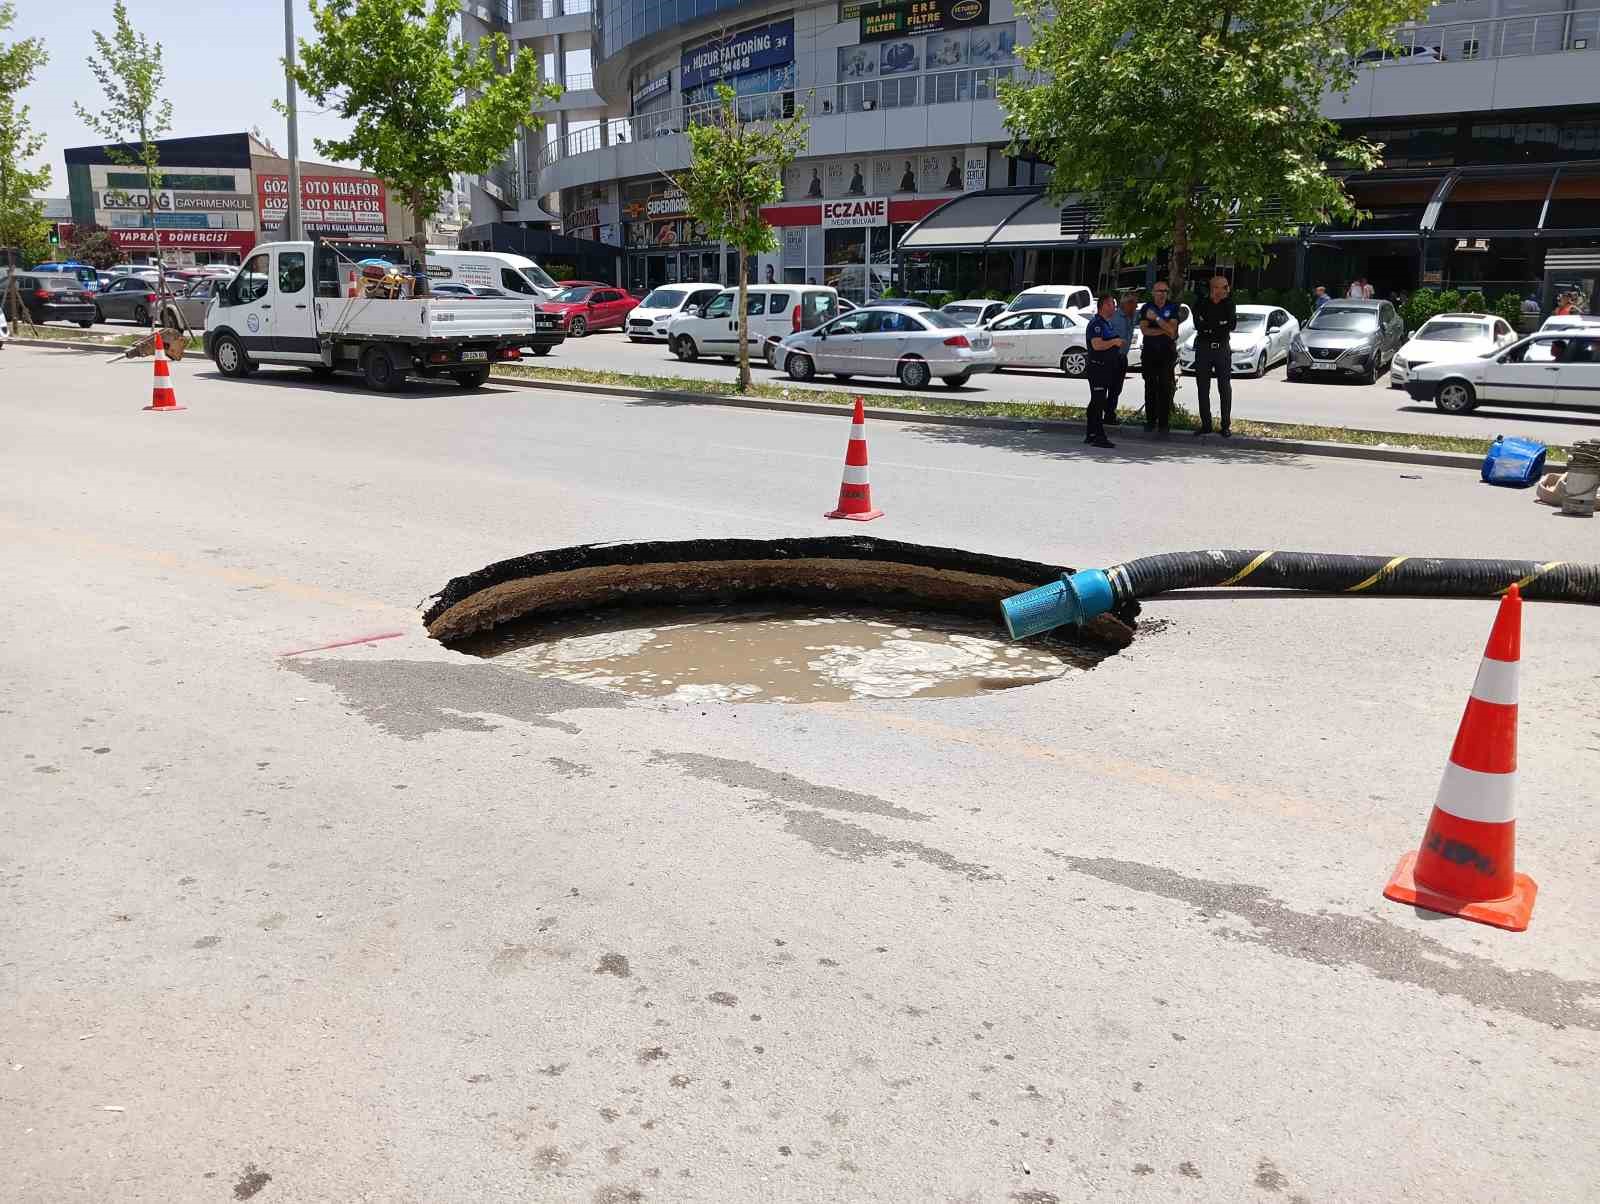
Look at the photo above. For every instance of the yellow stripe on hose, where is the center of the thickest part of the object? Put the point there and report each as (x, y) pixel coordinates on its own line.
(1378, 576)
(1246, 571)
(1535, 575)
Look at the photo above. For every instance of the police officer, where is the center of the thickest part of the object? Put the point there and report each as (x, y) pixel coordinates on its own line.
(1124, 323)
(1105, 369)
(1214, 320)
(1158, 323)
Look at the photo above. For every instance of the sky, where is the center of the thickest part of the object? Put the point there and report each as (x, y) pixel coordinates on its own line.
(223, 70)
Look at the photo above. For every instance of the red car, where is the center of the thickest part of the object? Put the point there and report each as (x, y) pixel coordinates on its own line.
(585, 305)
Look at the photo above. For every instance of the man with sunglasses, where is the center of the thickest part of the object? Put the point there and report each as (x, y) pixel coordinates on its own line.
(1158, 323)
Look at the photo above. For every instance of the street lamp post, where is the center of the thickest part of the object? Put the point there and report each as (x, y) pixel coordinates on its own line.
(294, 232)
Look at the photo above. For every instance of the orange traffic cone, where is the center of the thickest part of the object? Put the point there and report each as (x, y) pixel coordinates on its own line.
(161, 396)
(1467, 863)
(855, 491)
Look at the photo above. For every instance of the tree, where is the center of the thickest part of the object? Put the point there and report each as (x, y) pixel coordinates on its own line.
(1194, 126)
(736, 167)
(131, 74)
(93, 246)
(23, 229)
(424, 104)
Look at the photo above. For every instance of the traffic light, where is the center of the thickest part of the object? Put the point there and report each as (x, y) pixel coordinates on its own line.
(55, 237)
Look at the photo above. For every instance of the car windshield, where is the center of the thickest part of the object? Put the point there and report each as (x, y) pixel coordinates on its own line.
(537, 276)
(938, 320)
(1330, 318)
(1040, 301)
(1251, 322)
(1453, 332)
(580, 293)
(664, 298)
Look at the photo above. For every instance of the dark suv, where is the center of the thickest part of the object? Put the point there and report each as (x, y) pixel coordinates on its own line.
(1347, 338)
(47, 298)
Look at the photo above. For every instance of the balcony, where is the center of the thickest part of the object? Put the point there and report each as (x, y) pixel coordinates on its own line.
(1471, 66)
(541, 18)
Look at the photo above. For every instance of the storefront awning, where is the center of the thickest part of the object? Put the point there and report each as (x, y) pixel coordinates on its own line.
(973, 221)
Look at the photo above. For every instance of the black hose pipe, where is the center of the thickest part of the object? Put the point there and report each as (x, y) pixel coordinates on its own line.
(1090, 592)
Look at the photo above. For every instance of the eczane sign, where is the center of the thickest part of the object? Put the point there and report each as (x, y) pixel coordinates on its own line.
(854, 214)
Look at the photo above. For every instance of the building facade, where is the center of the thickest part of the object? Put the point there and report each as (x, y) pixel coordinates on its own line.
(1490, 131)
(220, 195)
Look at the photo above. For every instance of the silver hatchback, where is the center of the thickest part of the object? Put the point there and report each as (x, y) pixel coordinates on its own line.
(914, 345)
(1347, 338)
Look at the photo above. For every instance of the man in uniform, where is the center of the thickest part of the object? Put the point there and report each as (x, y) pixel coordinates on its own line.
(1123, 323)
(1158, 323)
(1105, 369)
(1215, 317)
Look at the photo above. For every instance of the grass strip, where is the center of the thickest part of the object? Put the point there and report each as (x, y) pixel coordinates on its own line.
(1182, 420)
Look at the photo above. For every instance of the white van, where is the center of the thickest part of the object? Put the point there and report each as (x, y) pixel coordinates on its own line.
(775, 311)
(493, 269)
(649, 319)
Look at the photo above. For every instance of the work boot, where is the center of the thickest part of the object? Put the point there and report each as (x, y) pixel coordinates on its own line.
(1101, 441)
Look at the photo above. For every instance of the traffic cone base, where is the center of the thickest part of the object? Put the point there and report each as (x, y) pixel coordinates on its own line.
(1511, 913)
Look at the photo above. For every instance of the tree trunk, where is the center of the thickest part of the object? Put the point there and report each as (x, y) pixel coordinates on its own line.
(1178, 261)
(419, 240)
(744, 325)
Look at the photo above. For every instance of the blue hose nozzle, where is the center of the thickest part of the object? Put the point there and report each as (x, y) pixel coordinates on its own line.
(1073, 599)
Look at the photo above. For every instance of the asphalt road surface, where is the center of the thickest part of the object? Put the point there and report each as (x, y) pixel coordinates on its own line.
(1270, 398)
(388, 923)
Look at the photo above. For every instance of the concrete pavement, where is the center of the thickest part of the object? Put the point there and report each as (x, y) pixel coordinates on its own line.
(391, 923)
(1268, 399)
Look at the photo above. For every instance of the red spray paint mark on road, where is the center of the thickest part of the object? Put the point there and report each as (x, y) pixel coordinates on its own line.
(360, 639)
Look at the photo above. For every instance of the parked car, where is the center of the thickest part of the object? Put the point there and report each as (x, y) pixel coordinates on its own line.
(585, 307)
(88, 279)
(1569, 322)
(1556, 370)
(651, 317)
(449, 288)
(913, 344)
(129, 299)
(479, 290)
(1450, 337)
(974, 313)
(900, 302)
(1347, 338)
(135, 269)
(47, 298)
(1041, 338)
(1077, 298)
(1260, 339)
(773, 310)
(186, 309)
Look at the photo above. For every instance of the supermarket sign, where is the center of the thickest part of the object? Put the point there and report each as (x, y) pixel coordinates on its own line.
(328, 204)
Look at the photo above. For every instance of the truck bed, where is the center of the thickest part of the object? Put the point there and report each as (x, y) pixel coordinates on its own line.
(423, 319)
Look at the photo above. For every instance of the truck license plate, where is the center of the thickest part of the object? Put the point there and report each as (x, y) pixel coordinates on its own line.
(468, 357)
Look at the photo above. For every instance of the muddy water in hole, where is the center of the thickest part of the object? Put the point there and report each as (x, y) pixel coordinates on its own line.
(775, 654)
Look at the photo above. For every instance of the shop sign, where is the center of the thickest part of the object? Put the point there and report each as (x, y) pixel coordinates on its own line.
(583, 217)
(349, 204)
(236, 240)
(738, 53)
(856, 214)
(794, 246)
(921, 16)
(976, 177)
(672, 204)
(650, 89)
(119, 198)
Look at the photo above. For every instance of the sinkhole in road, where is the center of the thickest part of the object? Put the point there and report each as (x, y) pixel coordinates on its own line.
(782, 620)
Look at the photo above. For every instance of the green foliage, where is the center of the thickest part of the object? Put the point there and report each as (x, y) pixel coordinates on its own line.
(22, 223)
(736, 167)
(1194, 127)
(93, 246)
(1509, 307)
(560, 271)
(1422, 305)
(1299, 302)
(423, 104)
(1472, 303)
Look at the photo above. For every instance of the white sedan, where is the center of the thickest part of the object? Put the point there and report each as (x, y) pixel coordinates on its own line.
(1553, 370)
(1041, 338)
(1450, 337)
(1260, 338)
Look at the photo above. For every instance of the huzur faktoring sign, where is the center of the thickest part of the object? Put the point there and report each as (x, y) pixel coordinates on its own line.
(739, 53)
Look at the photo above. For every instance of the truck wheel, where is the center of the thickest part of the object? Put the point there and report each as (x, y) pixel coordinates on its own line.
(475, 379)
(228, 354)
(382, 374)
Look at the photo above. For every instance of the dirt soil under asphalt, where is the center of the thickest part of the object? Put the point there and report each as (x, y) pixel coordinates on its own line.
(389, 922)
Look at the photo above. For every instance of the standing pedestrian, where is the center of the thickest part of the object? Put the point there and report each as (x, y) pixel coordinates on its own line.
(1319, 298)
(1357, 290)
(1105, 369)
(1124, 322)
(1215, 317)
(1367, 291)
(1158, 326)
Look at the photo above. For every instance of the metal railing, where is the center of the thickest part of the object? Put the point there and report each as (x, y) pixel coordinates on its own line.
(579, 81)
(544, 10)
(1498, 37)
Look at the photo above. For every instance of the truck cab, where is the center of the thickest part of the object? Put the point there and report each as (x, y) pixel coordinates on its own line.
(291, 303)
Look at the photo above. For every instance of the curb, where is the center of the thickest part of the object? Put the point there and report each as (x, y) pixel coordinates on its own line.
(63, 345)
(1296, 447)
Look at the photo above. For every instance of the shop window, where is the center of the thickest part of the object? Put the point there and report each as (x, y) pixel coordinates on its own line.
(1575, 203)
(844, 246)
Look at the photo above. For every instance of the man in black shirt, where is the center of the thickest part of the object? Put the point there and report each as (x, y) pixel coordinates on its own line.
(1214, 320)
